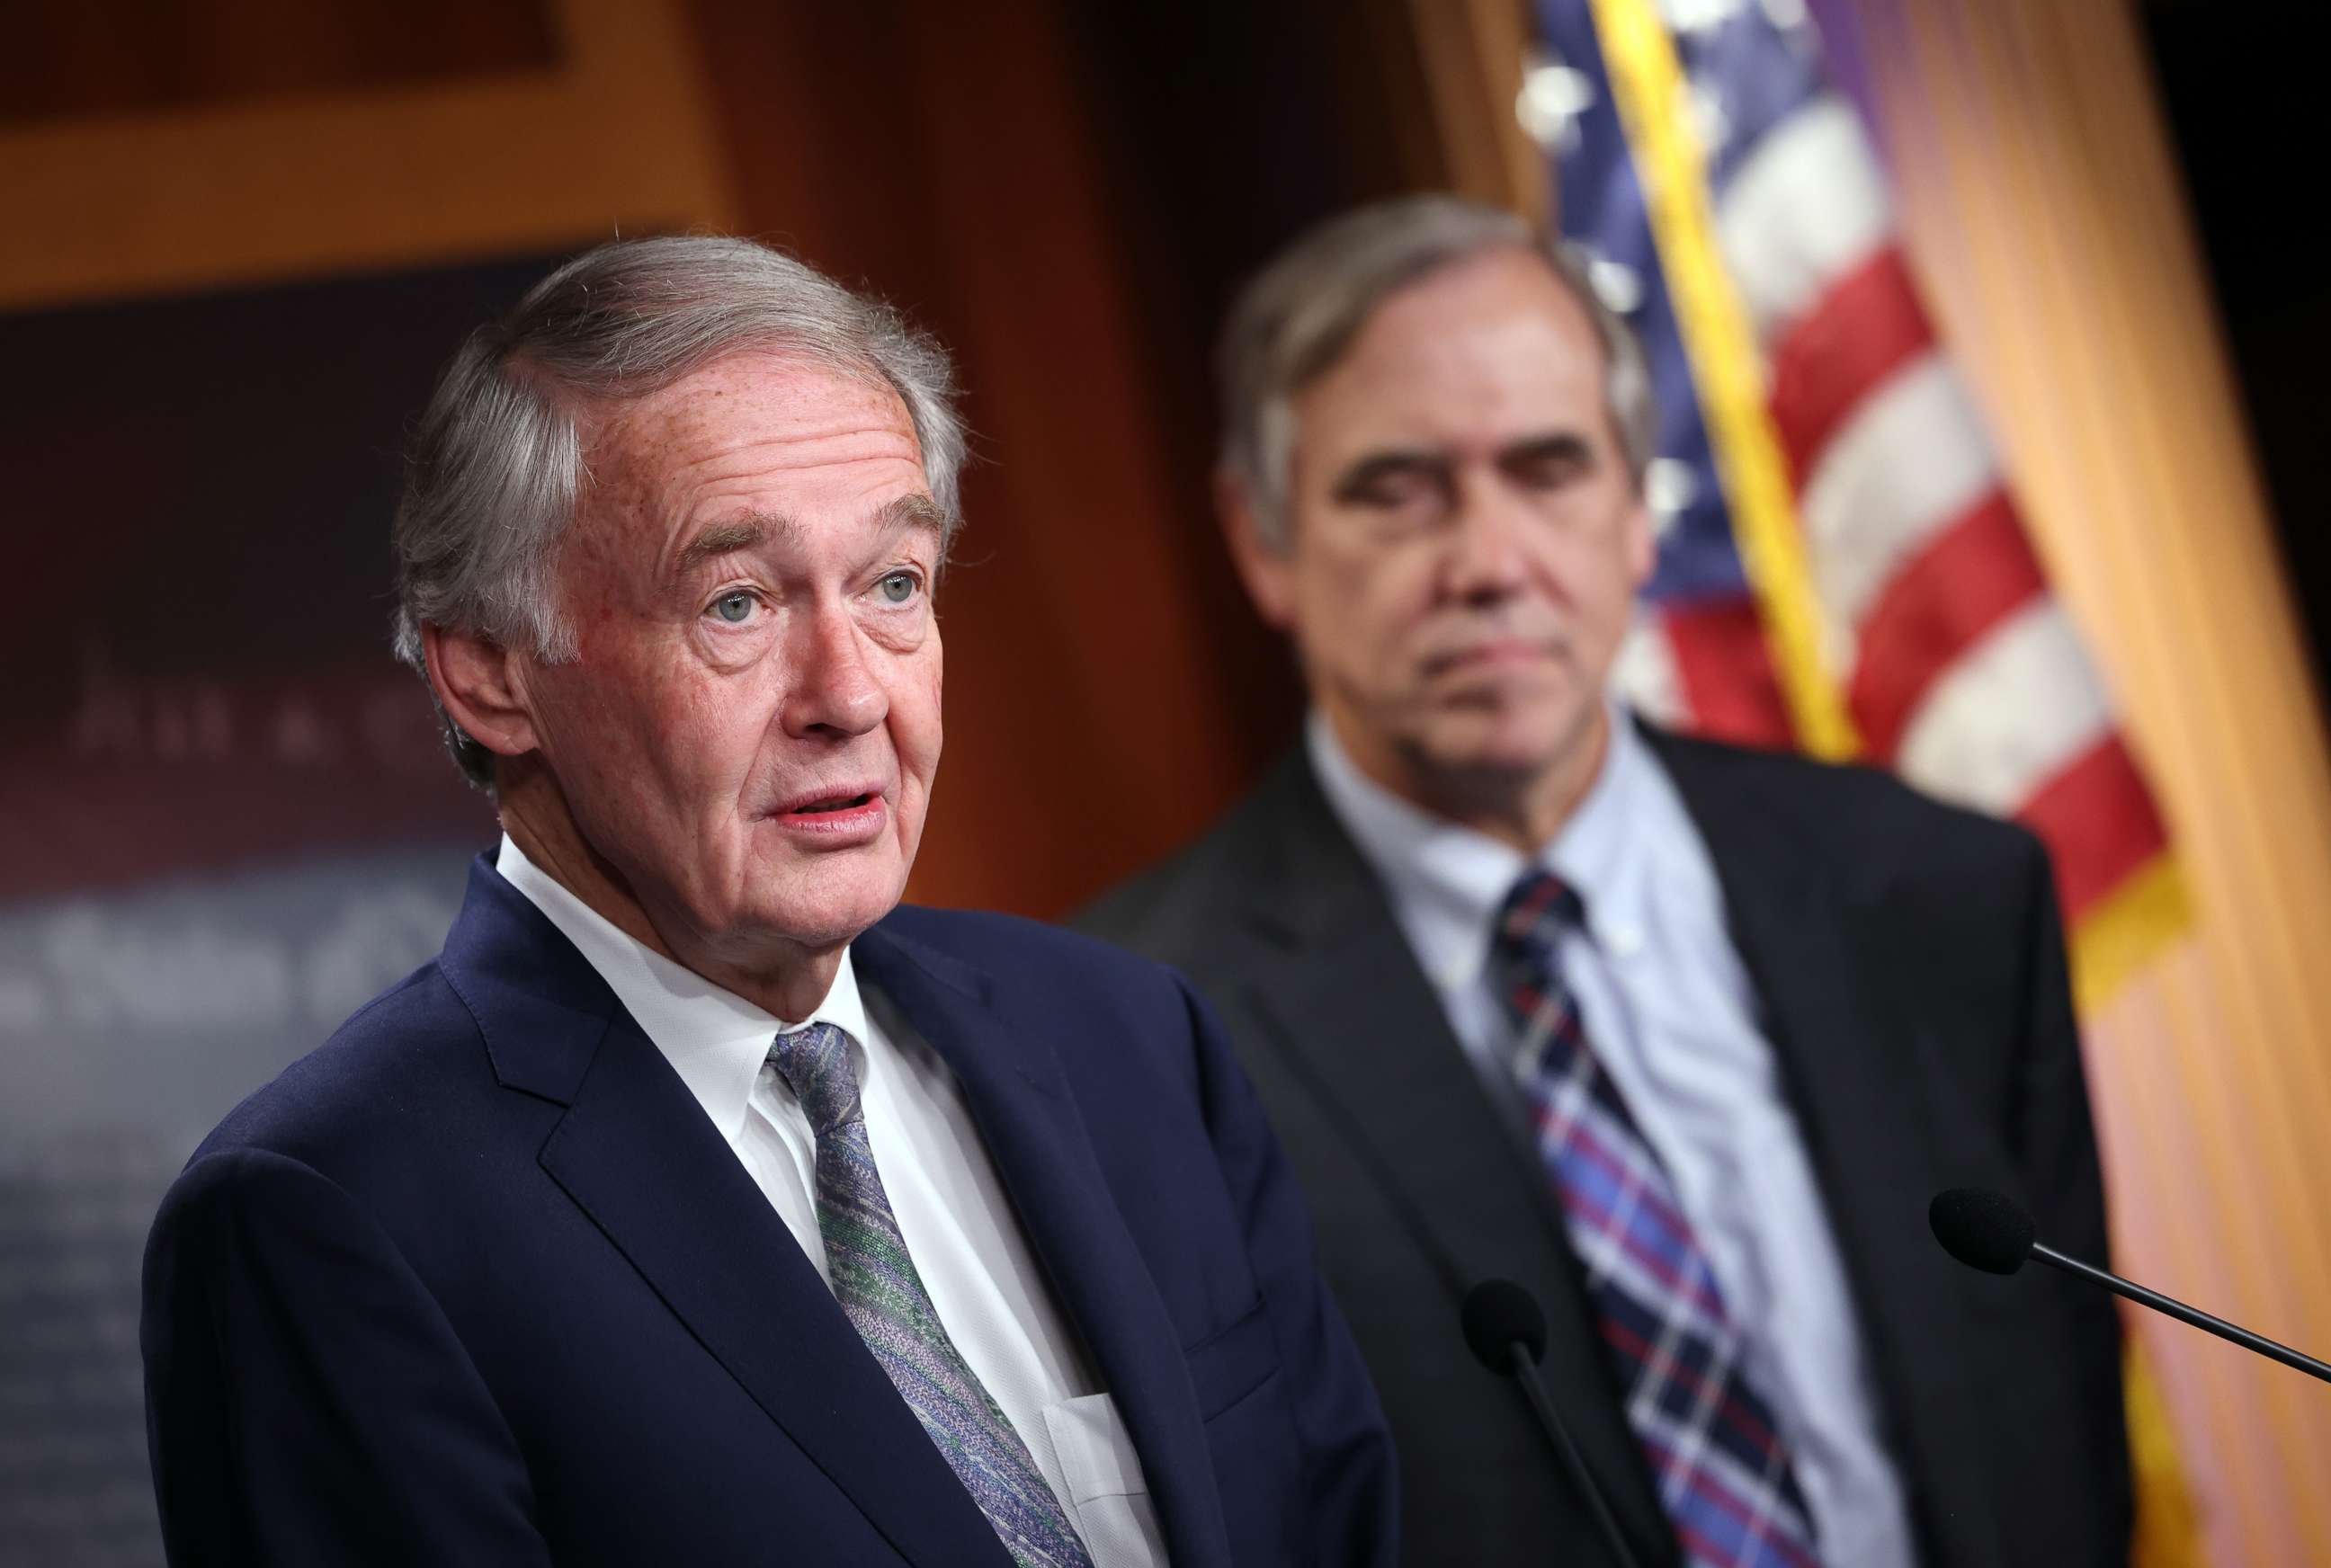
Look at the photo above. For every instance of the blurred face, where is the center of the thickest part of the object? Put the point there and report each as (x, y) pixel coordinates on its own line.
(749, 735)
(1467, 541)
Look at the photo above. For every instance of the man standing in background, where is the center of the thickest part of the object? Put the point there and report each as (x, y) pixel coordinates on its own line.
(1680, 1036)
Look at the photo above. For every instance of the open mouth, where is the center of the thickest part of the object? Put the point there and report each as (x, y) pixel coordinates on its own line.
(830, 805)
(838, 819)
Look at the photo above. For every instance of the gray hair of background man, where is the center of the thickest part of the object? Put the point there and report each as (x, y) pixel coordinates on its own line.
(1295, 319)
(495, 470)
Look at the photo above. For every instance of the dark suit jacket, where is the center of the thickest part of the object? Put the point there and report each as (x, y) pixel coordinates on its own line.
(1911, 967)
(478, 1283)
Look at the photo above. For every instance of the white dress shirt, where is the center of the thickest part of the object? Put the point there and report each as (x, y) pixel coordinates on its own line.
(959, 1225)
(1673, 1018)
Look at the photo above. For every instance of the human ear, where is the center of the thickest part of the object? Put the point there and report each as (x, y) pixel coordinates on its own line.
(481, 687)
(1266, 571)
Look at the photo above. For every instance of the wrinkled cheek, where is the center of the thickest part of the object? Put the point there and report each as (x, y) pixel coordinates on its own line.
(929, 724)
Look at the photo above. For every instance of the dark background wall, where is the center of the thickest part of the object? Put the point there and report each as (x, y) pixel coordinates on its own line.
(2243, 98)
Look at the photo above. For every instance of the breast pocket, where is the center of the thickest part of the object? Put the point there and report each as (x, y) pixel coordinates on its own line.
(1108, 1496)
(1234, 1363)
(1251, 1433)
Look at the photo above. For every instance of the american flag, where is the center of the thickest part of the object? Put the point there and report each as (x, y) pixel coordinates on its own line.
(1841, 565)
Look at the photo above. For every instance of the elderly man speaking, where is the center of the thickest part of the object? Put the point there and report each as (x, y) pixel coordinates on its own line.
(699, 1204)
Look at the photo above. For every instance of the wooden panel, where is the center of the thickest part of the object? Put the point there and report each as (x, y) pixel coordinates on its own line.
(2044, 212)
(67, 58)
(163, 203)
(1472, 52)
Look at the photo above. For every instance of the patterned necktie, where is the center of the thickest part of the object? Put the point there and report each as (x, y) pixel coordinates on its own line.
(1721, 1468)
(883, 1297)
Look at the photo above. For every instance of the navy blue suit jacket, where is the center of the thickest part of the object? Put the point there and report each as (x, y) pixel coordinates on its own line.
(478, 1283)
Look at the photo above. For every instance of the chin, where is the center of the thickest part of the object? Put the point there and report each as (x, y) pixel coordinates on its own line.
(1504, 742)
(835, 908)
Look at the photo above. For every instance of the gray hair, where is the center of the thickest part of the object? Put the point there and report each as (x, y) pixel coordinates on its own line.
(495, 469)
(1294, 320)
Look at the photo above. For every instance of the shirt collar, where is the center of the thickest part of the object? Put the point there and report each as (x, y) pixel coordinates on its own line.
(715, 1040)
(1448, 882)
(1591, 851)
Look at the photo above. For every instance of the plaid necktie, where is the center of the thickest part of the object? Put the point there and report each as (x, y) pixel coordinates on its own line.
(1721, 1466)
(883, 1297)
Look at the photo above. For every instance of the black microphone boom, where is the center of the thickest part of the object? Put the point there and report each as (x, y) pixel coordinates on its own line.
(1505, 1327)
(1989, 1231)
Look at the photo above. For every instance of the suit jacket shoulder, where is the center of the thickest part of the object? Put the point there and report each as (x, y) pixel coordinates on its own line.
(1919, 882)
(1279, 857)
(1035, 970)
(371, 1108)
(1860, 825)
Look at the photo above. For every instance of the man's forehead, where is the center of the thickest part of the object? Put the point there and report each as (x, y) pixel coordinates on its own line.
(1498, 340)
(760, 408)
(1510, 314)
(776, 385)
(762, 446)
(1507, 281)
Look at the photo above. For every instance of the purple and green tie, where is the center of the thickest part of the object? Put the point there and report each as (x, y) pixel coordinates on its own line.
(1716, 1455)
(883, 1297)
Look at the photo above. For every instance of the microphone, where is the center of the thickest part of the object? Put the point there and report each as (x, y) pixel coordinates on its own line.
(1990, 1231)
(1505, 1327)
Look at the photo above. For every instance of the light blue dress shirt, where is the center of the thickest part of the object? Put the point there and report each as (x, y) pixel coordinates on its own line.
(1674, 1020)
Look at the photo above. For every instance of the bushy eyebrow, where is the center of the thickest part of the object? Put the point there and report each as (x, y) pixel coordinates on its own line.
(1376, 466)
(749, 532)
(913, 511)
(1437, 465)
(1556, 446)
(756, 531)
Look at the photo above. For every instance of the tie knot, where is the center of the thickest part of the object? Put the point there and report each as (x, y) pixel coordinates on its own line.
(816, 1062)
(1540, 907)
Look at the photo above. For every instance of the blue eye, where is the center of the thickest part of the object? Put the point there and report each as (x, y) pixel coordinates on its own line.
(898, 587)
(732, 608)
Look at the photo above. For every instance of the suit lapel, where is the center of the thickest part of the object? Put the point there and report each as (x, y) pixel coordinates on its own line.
(635, 1153)
(1853, 1069)
(1345, 1000)
(1021, 1100)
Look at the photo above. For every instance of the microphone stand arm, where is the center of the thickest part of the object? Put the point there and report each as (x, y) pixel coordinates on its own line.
(2182, 1313)
(1572, 1461)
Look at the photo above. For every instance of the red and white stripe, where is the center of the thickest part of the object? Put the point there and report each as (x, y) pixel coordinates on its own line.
(1961, 672)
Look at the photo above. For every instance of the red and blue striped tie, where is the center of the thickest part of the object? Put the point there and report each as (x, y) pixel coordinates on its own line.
(1716, 1458)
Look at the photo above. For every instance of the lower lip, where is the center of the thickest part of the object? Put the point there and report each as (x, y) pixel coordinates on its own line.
(852, 825)
(1495, 655)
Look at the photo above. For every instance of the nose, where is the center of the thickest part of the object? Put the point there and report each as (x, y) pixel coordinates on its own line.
(1487, 560)
(831, 689)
